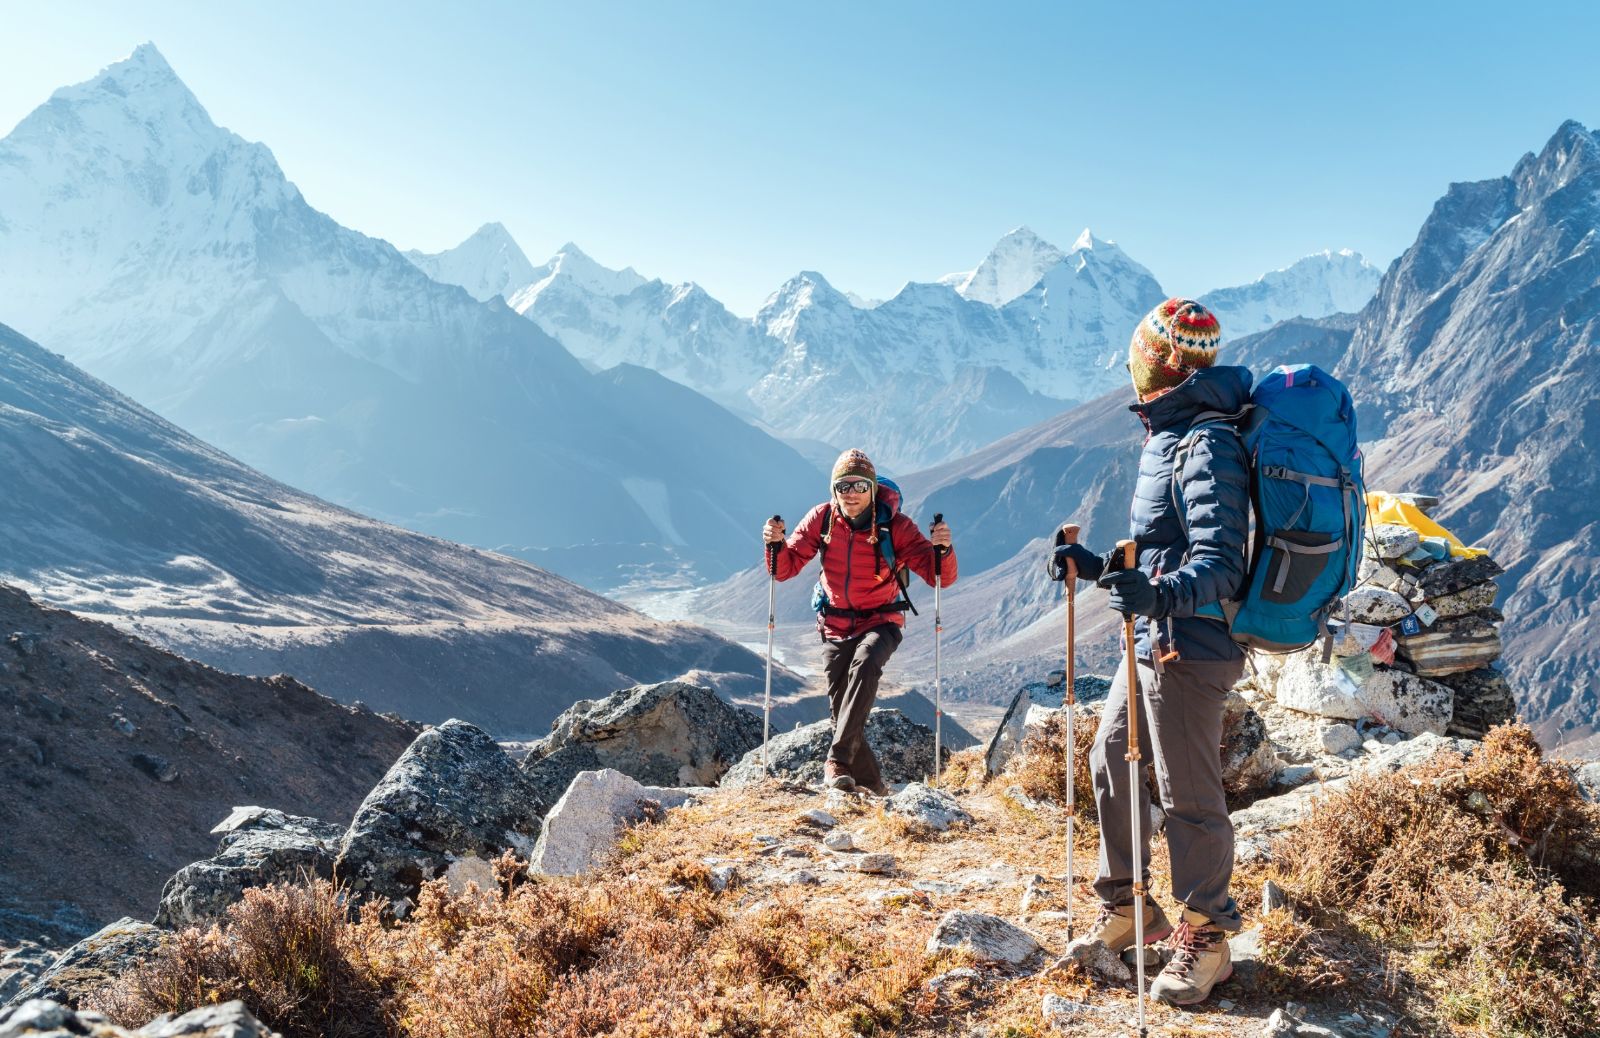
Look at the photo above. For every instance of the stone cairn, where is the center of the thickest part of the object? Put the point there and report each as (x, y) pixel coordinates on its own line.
(1414, 644)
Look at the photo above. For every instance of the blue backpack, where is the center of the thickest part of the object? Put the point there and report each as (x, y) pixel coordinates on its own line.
(1310, 503)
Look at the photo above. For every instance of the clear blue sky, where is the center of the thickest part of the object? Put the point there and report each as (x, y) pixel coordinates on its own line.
(737, 143)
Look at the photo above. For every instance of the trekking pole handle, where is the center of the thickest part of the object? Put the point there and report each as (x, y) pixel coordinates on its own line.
(1130, 560)
(939, 550)
(1069, 535)
(772, 549)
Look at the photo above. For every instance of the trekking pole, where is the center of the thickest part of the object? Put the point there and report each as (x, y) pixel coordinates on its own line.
(938, 677)
(1069, 535)
(772, 614)
(1130, 560)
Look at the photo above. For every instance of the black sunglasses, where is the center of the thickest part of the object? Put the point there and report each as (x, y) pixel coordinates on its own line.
(852, 486)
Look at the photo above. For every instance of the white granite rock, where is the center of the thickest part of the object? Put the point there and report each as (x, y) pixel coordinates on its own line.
(1376, 605)
(1402, 701)
(1340, 738)
(1391, 540)
(988, 937)
(932, 807)
(582, 827)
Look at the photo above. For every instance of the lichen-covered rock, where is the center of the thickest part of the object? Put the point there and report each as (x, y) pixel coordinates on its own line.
(228, 1020)
(903, 747)
(1249, 763)
(1452, 575)
(1391, 540)
(1095, 960)
(42, 1018)
(1376, 605)
(667, 734)
(1483, 700)
(1467, 601)
(94, 962)
(1451, 646)
(1030, 705)
(1405, 702)
(1381, 574)
(987, 937)
(453, 793)
(582, 827)
(934, 808)
(259, 846)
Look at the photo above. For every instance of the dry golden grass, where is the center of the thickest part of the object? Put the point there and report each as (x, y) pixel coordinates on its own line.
(1478, 867)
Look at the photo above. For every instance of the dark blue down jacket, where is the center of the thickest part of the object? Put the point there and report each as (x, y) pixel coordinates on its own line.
(1208, 564)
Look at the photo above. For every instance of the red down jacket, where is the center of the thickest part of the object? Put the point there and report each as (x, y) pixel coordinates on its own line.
(853, 571)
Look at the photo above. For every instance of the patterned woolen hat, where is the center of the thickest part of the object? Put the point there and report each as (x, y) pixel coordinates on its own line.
(1174, 340)
(854, 463)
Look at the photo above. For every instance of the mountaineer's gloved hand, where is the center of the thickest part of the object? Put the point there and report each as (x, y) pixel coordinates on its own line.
(1131, 592)
(1089, 565)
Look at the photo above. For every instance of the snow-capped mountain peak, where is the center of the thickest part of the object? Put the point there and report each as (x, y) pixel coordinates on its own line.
(488, 264)
(1015, 264)
(1322, 283)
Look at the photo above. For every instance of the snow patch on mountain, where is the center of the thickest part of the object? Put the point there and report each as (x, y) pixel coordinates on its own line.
(1323, 283)
(488, 264)
(1013, 266)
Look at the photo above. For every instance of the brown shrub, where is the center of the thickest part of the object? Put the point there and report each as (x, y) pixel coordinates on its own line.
(1040, 763)
(288, 951)
(1478, 855)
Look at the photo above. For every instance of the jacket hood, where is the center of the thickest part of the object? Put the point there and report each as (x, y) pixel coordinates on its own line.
(1224, 388)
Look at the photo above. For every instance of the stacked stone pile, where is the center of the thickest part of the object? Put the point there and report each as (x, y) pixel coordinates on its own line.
(1415, 644)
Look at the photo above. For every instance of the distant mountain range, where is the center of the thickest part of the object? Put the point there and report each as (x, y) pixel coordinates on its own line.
(174, 260)
(936, 371)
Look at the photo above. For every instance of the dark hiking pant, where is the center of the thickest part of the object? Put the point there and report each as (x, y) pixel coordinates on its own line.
(854, 667)
(1180, 733)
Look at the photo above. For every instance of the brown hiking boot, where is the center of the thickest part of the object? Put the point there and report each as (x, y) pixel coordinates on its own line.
(1200, 961)
(1114, 926)
(835, 777)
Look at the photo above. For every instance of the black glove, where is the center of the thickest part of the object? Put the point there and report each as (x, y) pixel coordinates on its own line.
(1131, 592)
(1090, 565)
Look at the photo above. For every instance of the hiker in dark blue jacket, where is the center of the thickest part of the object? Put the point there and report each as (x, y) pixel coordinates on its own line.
(1190, 529)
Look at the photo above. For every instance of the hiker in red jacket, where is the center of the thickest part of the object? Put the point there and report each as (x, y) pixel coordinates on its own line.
(861, 601)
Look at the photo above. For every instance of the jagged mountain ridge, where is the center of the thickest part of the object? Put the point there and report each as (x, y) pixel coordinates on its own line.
(116, 513)
(1323, 283)
(947, 367)
(488, 264)
(176, 261)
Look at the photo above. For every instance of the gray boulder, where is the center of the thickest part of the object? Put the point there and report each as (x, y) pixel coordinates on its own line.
(1406, 702)
(1377, 606)
(987, 937)
(668, 734)
(94, 962)
(933, 808)
(1391, 540)
(1249, 763)
(1483, 700)
(582, 827)
(1412, 751)
(903, 747)
(259, 846)
(453, 794)
(42, 1018)
(1033, 703)
(228, 1020)
(1467, 601)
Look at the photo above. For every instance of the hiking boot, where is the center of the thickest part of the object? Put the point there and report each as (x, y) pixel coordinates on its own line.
(835, 777)
(1114, 926)
(1200, 961)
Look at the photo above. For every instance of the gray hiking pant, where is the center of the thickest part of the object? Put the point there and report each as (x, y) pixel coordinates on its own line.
(1180, 733)
(854, 667)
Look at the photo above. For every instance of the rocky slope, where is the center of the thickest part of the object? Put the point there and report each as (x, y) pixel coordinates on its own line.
(115, 513)
(120, 757)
